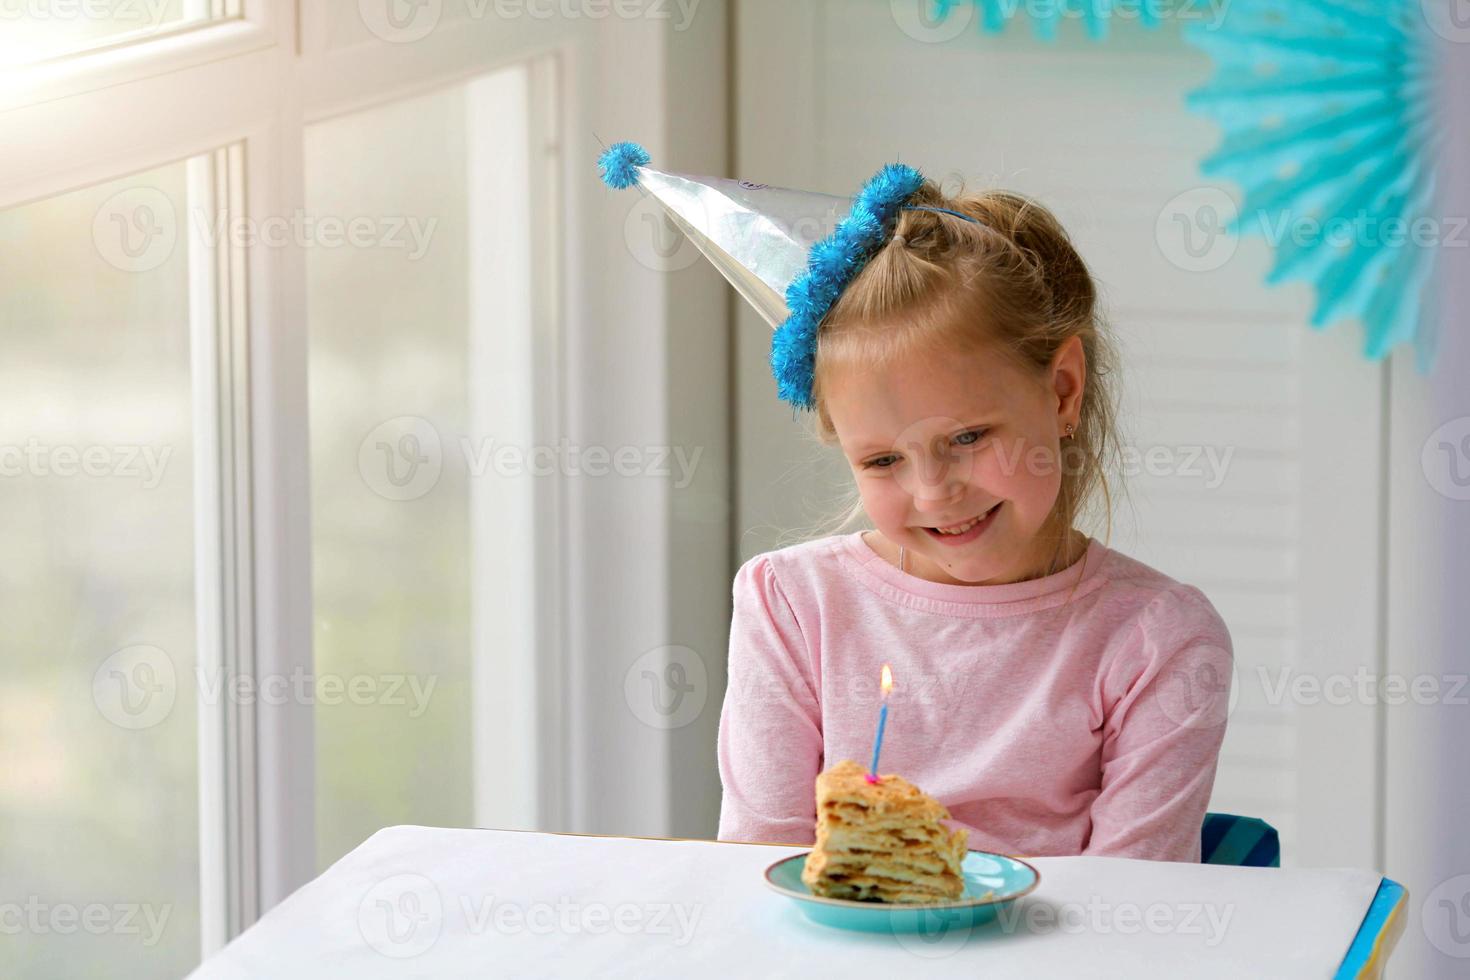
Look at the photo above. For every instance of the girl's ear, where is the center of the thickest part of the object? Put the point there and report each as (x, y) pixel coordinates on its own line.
(1068, 378)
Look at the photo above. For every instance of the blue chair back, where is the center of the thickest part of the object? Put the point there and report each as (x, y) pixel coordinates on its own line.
(1242, 841)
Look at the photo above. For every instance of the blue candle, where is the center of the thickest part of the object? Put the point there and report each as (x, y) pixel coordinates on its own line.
(887, 685)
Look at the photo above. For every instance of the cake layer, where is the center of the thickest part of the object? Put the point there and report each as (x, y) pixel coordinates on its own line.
(853, 867)
(856, 836)
(890, 895)
(911, 864)
(864, 888)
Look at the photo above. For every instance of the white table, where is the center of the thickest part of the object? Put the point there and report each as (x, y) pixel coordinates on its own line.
(435, 902)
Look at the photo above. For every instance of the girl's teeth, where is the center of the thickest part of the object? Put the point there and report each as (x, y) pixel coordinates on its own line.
(961, 529)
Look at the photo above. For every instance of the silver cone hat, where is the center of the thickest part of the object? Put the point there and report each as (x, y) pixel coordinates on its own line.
(756, 235)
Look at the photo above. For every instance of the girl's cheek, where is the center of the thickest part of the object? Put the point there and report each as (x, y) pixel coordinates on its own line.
(892, 505)
(1015, 462)
(878, 499)
(993, 472)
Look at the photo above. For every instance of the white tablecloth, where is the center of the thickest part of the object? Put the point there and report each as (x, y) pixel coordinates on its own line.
(434, 902)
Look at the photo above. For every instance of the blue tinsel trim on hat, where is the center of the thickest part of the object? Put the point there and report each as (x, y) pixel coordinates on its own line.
(620, 163)
(832, 263)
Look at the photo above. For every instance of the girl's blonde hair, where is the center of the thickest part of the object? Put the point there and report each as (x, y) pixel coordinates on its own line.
(1011, 283)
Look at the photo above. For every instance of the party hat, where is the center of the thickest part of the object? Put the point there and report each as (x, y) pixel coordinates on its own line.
(789, 253)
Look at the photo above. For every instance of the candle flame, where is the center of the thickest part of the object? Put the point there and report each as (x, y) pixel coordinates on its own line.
(887, 680)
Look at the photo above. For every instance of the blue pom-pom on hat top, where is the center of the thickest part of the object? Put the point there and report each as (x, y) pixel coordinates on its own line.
(620, 163)
(832, 264)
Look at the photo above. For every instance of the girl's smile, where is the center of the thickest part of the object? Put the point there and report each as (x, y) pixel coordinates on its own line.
(964, 532)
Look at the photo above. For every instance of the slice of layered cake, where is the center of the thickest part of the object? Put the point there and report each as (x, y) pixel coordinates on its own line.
(882, 842)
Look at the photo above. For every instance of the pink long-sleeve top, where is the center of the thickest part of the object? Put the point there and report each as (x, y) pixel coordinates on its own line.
(1079, 713)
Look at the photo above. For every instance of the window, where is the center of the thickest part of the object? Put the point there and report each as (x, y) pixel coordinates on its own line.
(222, 280)
(421, 368)
(99, 718)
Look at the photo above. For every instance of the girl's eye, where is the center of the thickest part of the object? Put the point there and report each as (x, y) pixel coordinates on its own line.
(881, 463)
(969, 438)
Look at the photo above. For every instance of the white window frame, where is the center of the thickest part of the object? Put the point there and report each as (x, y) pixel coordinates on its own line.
(237, 94)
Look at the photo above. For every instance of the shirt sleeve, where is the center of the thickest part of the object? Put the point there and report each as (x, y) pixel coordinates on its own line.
(1170, 693)
(770, 736)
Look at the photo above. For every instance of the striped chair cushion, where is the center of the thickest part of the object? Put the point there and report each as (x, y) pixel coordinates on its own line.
(1246, 841)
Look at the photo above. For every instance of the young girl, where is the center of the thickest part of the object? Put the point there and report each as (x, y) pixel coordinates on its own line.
(1057, 696)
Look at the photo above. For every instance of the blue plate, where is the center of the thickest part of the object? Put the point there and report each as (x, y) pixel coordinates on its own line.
(1007, 878)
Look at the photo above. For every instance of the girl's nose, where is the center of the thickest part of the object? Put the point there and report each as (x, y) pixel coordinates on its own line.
(938, 485)
(938, 498)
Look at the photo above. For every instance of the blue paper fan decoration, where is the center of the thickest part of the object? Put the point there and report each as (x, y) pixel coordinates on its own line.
(1328, 129)
(1046, 14)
